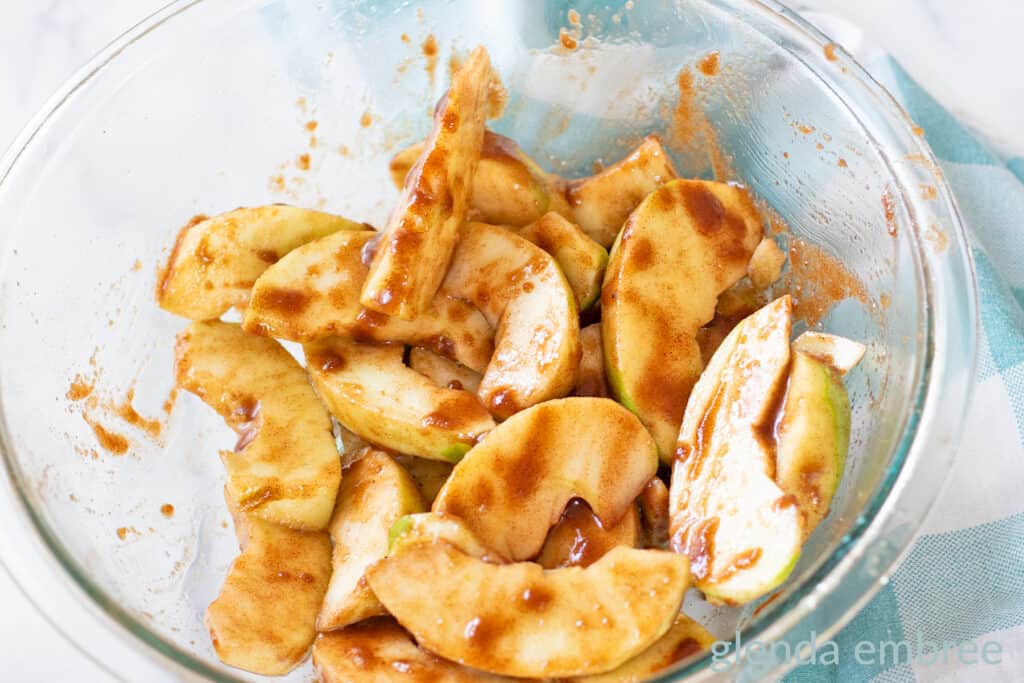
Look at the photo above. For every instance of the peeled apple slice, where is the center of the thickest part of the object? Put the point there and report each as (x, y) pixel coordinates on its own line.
(285, 468)
(373, 393)
(520, 620)
(741, 531)
(513, 487)
(215, 261)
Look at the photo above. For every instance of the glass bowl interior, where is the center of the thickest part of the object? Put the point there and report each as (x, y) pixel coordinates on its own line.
(210, 106)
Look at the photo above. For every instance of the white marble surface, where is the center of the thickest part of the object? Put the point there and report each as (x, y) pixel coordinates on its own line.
(966, 53)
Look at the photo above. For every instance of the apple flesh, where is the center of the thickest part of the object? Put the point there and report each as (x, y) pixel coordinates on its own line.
(524, 295)
(684, 639)
(686, 243)
(417, 244)
(443, 372)
(435, 527)
(215, 261)
(579, 539)
(741, 531)
(581, 259)
(520, 620)
(601, 203)
(375, 491)
(313, 293)
(285, 468)
(264, 619)
(591, 380)
(371, 392)
(513, 487)
(381, 651)
(429, 475)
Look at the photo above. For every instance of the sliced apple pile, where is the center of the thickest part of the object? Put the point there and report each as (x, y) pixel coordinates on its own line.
(263, 620)
(313, 293)
(684, 244)
(371, 392)
(215, 261)
(381, 651)
(524, 295)
(485, 357)
(285, 468)
(375, 492)
(416, 247)
(520, 620)
(513, 487)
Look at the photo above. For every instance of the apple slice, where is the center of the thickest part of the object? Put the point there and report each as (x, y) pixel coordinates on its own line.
(591, 380)
(685, 244)
(264, 619)
(512, 487)
(285, 468)
(520, 620)
(416, 247)
(371, 392)
(442, 371)
(838, 353)
(601, 203)
(375, 492)
(381, 651)
(215, 261)
(581, 259)
(765, 267)
(521, 291)
(579, 539)
(814, 428)
(653, 502)
(741, 531)
(313, 293)
(429, 475)
(435, 527)
(684, 639)
(509, 188)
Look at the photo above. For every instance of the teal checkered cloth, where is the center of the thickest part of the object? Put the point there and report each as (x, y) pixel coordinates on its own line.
(963, 581)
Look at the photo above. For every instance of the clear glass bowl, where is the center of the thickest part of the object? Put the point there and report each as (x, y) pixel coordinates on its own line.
(205, 106)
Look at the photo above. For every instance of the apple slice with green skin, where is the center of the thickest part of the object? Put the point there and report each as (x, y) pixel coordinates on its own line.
(381, 651)
(442, 371)
(313, 293)
(839, 353)
(429, 475)
(264, 619)
(579, 539)
(521, 620)
(581, 259)
(601, 203)
(435, 527)
(374, 493)
(509, 188)
(686, 243)
(685, 639)
(513, 486)
(814, 429)
(371, 392)
(285, 468)
(741, 531)
(215, 261)
(523, 294)
(414, 252)
(591, 380)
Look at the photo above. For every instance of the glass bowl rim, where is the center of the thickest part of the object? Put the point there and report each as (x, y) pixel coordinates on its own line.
(843, 559)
